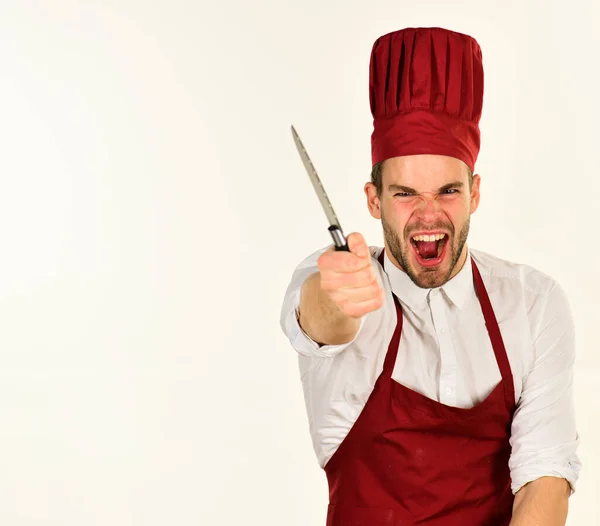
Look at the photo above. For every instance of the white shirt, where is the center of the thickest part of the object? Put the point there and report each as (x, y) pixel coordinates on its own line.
(446, 354)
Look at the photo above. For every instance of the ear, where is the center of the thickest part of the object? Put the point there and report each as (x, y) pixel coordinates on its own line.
(475, 195)
(373, 201)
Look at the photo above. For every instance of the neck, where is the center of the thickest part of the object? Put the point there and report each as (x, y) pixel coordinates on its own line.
(461, 262)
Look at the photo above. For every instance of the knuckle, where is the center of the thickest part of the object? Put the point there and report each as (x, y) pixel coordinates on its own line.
(353, 310)
(344, 306)
(323, 262)
(347, 265)
(369, 275)
(374, 289)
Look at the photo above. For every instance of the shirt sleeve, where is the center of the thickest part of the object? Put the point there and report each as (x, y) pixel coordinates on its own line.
(544, 436)
(289, 323)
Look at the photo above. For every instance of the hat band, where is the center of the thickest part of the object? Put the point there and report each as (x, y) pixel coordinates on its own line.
(424, 132)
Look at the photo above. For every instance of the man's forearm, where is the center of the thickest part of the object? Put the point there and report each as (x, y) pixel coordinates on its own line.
(321, 318)
(543, 502)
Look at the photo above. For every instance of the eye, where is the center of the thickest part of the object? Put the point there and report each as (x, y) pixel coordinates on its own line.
(403, 194)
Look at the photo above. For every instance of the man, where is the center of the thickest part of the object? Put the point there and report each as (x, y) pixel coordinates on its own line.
(437, 378)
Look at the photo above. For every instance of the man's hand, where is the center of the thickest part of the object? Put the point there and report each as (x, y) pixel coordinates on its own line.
(334, 300)
(349, 278)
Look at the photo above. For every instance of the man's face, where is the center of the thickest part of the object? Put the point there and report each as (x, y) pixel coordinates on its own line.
(425, 208)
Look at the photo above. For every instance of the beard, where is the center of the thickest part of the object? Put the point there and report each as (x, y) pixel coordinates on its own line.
(426, 278)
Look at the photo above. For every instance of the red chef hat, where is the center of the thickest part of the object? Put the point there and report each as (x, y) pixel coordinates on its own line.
(426, 94)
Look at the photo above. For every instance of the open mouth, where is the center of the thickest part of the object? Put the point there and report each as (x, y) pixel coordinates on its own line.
(429, 249)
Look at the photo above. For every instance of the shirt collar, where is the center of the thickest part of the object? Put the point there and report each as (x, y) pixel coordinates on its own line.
(457, 290)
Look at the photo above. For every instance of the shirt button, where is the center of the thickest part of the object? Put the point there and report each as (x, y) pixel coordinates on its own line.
(448, 390)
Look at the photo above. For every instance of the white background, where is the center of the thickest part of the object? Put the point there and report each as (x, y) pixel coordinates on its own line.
(153, 208)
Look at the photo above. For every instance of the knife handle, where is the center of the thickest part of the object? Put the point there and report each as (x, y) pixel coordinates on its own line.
(338, 238)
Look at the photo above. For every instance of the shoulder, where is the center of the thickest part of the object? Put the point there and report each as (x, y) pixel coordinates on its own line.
(526, 294)
(512, 275)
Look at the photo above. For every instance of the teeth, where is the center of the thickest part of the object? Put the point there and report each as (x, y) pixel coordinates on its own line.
(435, 237)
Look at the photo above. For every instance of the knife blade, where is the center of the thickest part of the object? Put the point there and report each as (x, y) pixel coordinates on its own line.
(335, 229)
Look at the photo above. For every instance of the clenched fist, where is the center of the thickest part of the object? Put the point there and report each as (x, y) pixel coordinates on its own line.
(349, 278)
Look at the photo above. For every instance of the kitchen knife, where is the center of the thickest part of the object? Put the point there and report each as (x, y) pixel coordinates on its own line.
(335, 229)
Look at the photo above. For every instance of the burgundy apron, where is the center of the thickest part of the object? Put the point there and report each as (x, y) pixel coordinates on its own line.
(410, 460)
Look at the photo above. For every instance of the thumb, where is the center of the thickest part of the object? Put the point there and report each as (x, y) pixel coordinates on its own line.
(358, 245)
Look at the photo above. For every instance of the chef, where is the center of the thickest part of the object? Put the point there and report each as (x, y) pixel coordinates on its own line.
(437, 378)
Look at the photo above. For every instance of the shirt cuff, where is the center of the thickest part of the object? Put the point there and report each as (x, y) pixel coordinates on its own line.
(530, 472)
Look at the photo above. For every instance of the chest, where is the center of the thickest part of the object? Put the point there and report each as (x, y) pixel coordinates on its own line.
(446, 354)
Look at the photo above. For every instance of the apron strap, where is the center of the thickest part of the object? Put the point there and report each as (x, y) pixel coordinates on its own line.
(495, 336)
(392, 352)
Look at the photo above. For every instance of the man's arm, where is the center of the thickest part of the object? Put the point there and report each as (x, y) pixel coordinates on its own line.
(544, 463)
(320, 318)
(334, 300)
(543, 502)
(315, 324)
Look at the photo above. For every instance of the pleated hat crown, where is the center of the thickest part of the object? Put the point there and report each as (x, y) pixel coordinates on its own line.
(426, 94)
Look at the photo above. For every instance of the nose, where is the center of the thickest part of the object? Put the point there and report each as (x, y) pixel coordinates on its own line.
(428, 208)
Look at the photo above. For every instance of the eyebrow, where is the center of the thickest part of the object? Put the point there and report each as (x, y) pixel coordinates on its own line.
(408, 189)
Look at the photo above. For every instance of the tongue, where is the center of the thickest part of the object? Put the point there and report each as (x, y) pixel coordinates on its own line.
(427, 249)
